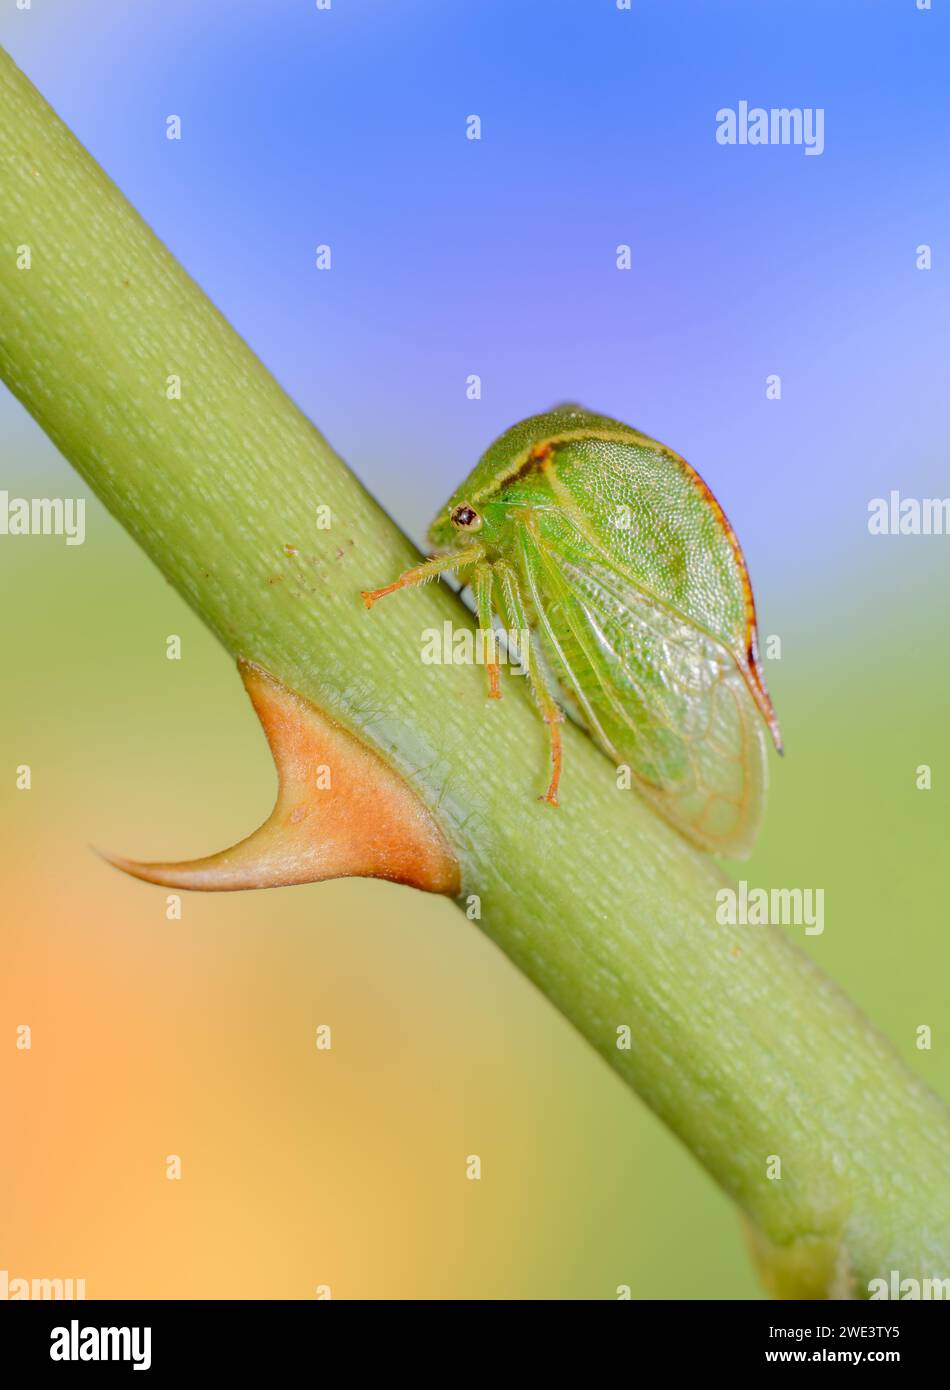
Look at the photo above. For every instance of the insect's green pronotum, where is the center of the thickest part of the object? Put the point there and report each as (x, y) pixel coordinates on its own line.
(611, 550)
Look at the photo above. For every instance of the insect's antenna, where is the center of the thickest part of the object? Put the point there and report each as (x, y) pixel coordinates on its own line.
(421, 574)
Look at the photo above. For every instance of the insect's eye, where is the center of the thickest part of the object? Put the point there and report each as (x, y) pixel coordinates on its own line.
(466, 518)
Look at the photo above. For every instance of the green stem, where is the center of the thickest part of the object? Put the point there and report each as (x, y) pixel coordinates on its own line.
(738, 1042)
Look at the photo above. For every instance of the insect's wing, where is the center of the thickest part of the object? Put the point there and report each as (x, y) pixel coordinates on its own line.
(643, 508)
(657, 693)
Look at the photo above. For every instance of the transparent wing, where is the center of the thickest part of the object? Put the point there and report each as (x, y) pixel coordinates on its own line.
(658, 694)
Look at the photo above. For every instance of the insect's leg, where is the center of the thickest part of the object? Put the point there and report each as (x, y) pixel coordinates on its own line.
(517, 620)
(421, 574)
(482, 585)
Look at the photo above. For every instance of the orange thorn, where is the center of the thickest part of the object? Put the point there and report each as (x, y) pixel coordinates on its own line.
(494, 672)
(341, 812)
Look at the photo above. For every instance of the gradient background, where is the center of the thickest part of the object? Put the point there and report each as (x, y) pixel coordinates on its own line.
(196, 1037)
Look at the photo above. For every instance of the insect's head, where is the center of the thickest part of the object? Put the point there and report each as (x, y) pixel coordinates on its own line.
(478, 512)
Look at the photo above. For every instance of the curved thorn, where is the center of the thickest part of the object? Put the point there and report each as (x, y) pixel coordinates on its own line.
(341, 812)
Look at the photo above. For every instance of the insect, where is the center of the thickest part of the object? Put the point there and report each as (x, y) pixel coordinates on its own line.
(611, 551)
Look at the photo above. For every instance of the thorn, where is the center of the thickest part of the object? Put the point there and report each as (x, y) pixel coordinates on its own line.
(341, 812)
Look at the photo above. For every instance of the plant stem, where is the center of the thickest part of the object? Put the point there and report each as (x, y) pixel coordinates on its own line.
(737, 1040)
